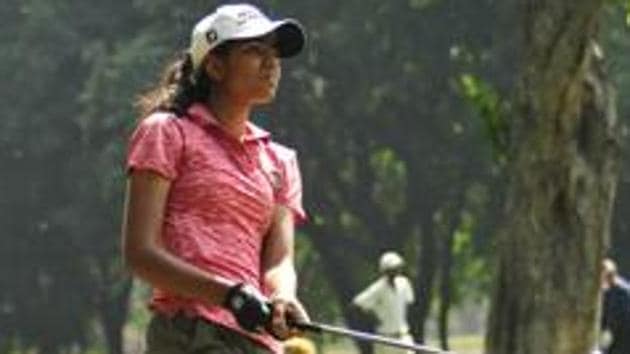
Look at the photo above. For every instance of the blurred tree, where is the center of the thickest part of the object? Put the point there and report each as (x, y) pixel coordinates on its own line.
(562, 186)
(73, 67)
(380, 90)
(37, 135)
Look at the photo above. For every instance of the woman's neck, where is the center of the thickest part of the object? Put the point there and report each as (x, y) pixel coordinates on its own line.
(232, 115)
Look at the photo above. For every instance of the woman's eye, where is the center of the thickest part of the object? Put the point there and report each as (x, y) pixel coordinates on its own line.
(261, 49)
(253, 48)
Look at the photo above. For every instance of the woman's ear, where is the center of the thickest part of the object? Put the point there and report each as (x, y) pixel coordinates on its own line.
(215, 68)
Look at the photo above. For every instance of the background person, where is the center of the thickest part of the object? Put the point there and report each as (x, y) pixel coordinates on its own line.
(388, 299)
(615, 335)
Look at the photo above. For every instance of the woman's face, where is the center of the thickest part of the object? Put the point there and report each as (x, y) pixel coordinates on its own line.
(250, 71)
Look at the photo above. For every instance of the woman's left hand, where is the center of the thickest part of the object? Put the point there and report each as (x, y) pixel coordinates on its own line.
(285, 311)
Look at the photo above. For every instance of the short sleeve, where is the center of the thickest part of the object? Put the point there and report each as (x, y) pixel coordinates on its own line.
(368, 298)
(289, 192)
(156, 145)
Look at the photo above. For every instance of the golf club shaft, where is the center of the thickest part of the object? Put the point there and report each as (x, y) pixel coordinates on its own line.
(368, 337)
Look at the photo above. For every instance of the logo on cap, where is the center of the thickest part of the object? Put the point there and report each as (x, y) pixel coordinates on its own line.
(247, 15)
(212, 36)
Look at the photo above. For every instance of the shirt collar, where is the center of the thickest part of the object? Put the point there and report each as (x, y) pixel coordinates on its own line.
(200, 114)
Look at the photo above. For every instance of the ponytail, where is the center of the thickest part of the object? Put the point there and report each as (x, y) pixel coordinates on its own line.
(179, 87)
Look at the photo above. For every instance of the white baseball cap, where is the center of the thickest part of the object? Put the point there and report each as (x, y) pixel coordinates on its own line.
(243, 21)
(390, 260)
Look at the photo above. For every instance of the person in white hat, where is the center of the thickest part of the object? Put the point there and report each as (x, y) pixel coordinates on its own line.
(388, 299)
(212, 200)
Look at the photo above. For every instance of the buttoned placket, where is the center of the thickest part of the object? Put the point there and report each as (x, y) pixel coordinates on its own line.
(247, 149)
(257, 159)
(238, 150)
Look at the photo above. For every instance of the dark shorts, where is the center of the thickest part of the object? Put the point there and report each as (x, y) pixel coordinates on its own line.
(182, 335)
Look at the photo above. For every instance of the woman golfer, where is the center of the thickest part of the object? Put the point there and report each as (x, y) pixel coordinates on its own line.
(211, 200)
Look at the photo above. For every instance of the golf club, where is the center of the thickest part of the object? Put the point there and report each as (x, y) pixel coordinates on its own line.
(315, 327)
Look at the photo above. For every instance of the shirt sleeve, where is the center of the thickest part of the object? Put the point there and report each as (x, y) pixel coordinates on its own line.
(156, 145)
(289, 192)
(368, 298)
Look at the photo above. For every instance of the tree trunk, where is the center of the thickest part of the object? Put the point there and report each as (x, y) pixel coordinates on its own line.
(564, 169)
(427, 268)
(114, 309)
(445, 288)
(113, 317)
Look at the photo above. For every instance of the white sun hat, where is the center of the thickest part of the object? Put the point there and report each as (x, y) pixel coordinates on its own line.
(243, 21)
(390, 260)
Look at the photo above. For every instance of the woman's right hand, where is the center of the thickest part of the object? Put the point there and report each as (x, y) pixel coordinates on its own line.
(286, 312)
(250, 308)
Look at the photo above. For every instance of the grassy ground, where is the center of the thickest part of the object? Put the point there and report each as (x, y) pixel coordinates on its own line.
(469, 344)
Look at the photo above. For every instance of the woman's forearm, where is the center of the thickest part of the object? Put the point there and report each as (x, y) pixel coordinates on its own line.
(144, 253)
(281, 279)
(278, 267)
(167, 272)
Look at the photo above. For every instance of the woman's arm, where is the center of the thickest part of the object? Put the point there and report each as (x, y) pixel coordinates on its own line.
(278, 268)
(279, 273)
(367, 299)
(143, 252)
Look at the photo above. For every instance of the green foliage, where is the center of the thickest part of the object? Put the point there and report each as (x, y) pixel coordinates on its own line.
(471, 251)
(621, 7)
(489, 105)
(472, 275)
(390, 182)
(315, 288)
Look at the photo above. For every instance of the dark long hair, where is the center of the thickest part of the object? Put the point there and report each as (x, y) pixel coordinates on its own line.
(179, 87)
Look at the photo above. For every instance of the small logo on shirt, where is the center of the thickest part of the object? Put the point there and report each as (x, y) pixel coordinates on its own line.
(275, 179)
(271, 172)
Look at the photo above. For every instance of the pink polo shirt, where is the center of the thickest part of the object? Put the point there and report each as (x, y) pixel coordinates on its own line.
(221, 200)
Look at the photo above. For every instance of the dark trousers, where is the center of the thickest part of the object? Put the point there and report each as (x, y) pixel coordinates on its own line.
(182, 335)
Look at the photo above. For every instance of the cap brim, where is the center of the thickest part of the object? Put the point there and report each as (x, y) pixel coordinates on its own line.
(290, 36)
